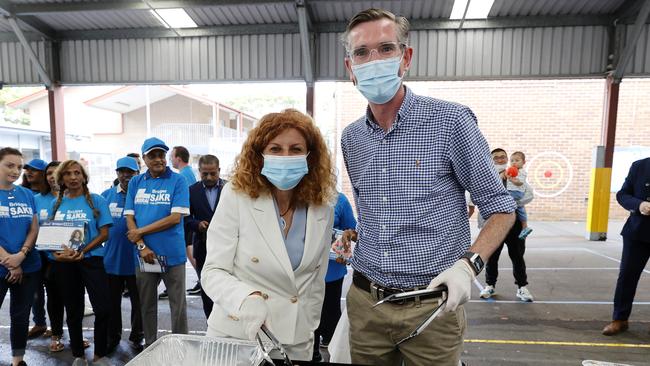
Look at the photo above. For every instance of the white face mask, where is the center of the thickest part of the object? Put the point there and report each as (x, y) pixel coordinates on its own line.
(500, 167)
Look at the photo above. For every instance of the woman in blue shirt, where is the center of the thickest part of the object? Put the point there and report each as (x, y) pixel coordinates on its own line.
(329, 316)
(19, 264)
(55, 310)
(84, 267)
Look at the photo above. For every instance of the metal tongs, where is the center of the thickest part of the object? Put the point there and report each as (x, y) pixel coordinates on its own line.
(276, 344)
(440, 292)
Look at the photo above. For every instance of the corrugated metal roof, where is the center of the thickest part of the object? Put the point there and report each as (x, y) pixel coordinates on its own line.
(508, 8)
(244, 14)
(85, 20)
(341, 11)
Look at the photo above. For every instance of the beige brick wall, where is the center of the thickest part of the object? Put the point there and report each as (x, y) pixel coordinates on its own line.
(538, 116)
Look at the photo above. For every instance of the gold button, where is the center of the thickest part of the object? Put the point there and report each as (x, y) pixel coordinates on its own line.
(233, 317)
(294, 299)
(255, 260)
(265, 296)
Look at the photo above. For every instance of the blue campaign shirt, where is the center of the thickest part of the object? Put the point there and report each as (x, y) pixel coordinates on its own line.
(77, 209)
(343, 220)
(120, 253)
(16, 214)
(188, 174)
(151, 199)
(43, 206)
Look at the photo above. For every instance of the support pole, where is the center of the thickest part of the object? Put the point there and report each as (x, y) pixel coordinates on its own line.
(57, 123)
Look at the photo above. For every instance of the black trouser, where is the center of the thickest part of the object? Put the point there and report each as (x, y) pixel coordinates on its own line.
(116, 285)
(329, 316)
(55, 307)
(38, 308)
(20, 301)
(516, 250)
(200, 252)
(633, 261)
(71, 279)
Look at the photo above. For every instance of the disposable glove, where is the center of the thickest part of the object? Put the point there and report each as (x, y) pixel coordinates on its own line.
(252, 314)
(458, 279)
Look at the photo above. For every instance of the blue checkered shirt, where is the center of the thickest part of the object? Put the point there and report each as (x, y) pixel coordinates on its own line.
(409, 187)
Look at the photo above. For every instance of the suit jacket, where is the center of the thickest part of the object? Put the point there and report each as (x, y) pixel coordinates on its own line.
(635, 190)
(200, 210)
(246, 253)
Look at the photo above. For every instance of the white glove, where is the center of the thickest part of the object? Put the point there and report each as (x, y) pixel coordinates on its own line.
(458, 279)
(252, 314)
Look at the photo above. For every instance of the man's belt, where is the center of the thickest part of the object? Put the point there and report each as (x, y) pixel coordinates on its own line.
(379, 292)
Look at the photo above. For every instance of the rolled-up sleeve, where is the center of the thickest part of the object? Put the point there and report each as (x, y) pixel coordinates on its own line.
(474, 169)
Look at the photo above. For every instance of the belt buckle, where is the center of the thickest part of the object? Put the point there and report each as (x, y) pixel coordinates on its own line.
(376, 292)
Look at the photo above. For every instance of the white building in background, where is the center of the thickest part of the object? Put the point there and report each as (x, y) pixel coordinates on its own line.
(105, 123)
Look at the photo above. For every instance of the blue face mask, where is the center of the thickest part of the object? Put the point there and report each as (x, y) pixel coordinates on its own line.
(378, 80)
(285, 172)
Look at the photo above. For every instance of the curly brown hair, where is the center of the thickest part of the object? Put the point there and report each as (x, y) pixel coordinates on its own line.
(317, 187)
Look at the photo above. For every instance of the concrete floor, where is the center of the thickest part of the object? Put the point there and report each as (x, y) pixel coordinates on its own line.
(573, 282)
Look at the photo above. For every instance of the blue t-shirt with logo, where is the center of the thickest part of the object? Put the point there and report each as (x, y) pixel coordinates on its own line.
(188, 174)
(151, 199)
(43, 206)
(16, 214)
(120, 253)
(78, 209)
(343, 220)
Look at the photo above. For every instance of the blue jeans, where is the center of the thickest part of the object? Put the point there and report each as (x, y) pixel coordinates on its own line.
(521, 210)
(20, 303)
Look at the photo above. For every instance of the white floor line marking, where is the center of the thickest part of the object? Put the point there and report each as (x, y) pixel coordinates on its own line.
(556, 302)
(608, 257)
(200, 332)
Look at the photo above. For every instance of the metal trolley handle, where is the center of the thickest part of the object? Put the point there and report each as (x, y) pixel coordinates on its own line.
(276, 344)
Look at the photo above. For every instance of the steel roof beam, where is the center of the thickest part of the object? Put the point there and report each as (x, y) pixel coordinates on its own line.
(630, 47)
(305, 41)
(8, 10)
(30, 52)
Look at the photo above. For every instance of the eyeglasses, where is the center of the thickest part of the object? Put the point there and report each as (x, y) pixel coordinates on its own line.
(384, 50)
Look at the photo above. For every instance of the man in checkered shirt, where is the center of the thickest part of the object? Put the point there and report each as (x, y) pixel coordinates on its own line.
(410, 159)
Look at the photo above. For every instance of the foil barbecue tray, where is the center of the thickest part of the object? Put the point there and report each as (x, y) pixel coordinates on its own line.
(190, 350)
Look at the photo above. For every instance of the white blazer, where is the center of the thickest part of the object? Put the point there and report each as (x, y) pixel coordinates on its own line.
(246, 253)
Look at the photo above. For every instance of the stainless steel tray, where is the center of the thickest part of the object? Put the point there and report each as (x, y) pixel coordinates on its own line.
(190, 350)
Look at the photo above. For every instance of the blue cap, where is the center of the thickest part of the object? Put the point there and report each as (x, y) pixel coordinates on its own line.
(36, 164)
(127, 162)
(153, 143)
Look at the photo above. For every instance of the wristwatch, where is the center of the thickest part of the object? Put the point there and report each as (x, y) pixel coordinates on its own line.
(475, 260)
(140, 246)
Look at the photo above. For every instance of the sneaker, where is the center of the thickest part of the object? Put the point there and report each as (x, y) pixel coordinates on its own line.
(525, 232)
(163, 295)
(524, 295)
(487, 292)
(80, 362)
(195, 290)
(88, 311)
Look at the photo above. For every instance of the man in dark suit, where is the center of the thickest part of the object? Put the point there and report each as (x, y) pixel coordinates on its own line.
(204, 196)
(634, 196)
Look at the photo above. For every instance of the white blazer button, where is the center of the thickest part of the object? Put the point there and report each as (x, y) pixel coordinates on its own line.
(265, 296)
(255, 260)
(293, 300)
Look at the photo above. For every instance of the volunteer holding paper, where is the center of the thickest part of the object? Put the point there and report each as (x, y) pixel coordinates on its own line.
(84, 267)
(119, 260)
(19, 264)
(156, 201)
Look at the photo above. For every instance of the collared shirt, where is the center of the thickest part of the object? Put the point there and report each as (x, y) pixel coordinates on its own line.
(212, 194)
(150, 199)
(408, 184)
(120, 253)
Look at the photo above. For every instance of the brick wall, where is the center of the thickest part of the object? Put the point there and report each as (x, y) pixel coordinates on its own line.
(562, 117)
